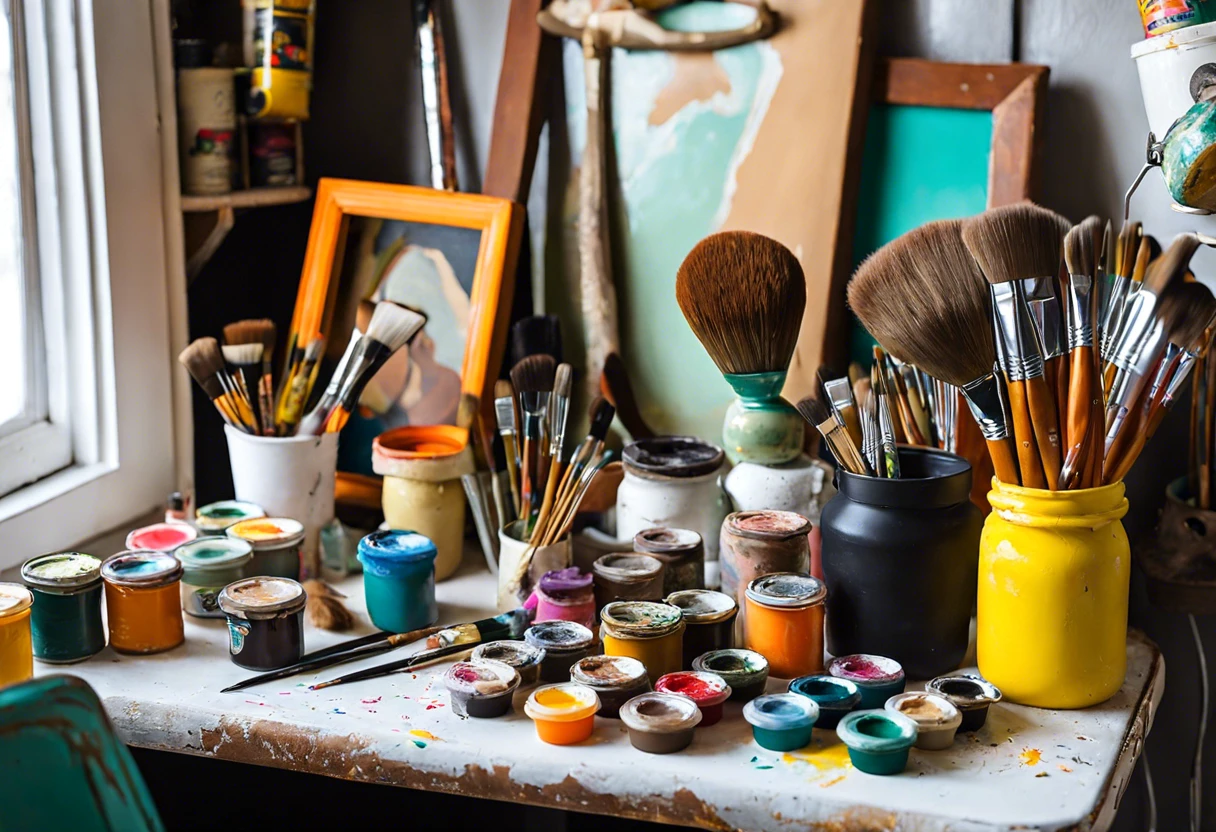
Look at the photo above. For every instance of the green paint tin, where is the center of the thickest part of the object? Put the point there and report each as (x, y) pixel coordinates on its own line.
(215, 518)
(210, 564)
(66, 616)
(878, 740)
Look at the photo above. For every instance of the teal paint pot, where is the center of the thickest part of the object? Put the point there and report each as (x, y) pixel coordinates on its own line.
(878, 741)
(65, 620)
(399, 580)
(760, 426)
(877, 677)
(209, 564)
(781, 721)
(835, 697)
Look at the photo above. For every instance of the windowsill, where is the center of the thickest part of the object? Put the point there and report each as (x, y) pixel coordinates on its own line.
(103, 545)
(48, 488)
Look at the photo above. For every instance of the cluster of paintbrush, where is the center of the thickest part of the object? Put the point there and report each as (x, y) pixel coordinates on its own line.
(1068, 345)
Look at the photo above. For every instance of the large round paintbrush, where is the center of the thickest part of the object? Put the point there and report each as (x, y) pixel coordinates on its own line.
(1077, 437)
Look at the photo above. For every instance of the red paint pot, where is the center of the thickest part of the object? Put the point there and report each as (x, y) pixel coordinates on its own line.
(708, 690)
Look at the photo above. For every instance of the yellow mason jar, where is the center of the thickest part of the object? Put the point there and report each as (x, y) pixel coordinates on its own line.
(1051, 620)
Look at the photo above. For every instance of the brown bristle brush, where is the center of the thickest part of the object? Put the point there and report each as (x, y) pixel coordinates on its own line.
(205, 363)
(1078, 439)
(820, 416)
(559, 408)
(923, 297)
(325, 608)
(258, 331)
(532, 378)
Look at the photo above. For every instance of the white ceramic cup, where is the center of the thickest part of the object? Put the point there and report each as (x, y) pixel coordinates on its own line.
(511, 549)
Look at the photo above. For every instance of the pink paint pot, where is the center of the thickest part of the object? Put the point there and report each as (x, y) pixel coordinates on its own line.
(161, 537)
(708, 690)
(566, 595)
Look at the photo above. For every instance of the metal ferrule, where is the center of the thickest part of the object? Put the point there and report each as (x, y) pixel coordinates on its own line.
(1112, 312)
(1080, 317)
(557, 424)
(886, 429)
(984, 398)
(1137, 326)
(1181, 374)
(534, 406)
(504, 411)
(1044, 307)
(1164, 369)
(1131, 379)
(1023, 357)
(840, 394)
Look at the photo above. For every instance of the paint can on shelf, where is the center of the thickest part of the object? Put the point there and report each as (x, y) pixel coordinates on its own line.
(206, 128)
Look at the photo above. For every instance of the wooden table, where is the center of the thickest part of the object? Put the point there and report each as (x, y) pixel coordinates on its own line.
(1026, 769)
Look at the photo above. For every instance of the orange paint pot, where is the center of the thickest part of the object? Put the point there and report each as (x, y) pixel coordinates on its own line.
(143, 601)
(564, 713)
(16, 644)
(784, 623)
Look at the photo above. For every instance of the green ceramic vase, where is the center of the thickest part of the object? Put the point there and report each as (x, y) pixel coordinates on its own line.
(1189, 157)
(761, 426)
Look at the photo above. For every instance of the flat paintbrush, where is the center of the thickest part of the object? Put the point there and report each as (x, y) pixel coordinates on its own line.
(822, 418)
(1080, 256)
(261, 385)
(504, 413)
(840, 394)
(889, 454)
(533, 381)
(559, 408)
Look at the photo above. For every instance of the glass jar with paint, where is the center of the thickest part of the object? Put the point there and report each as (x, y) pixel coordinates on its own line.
(627, 578)
(877, 677)
(615, 679)
(682, 553)
(399, 580)
(660, 723)
(936, 718)
(66, 617)
(524, 657)
(708, 690)
(563, 713)
(216, 518)
(835, 697)
(265, 622)
(709, 618)
(143, 602)
(878, 741)
(784, 623)
(563, 643)
(566, 595)
(161, 537)
(972, 695)
(276, 545)
(781, 721)
(16, 644)
(209, 564)
(652, 633)
(481, 689)
(758, 543)
(746, 671)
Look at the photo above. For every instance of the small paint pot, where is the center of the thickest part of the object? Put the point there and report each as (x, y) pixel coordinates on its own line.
(276, 545)
(971, 694)
(627, 578)
(746, 671)
(399, 580)
(563, 643)
(781, 721)
(161, 537)
(525, 658)
(143, 603)
(563, 713)
(708, 690)
(66, 617)
(265, 621)
(878, 740)
(650, 632)
(566, 595)
(661, 723)
(835, 697)
(877, 677)
(936, 718)
(210, 564)
(16, 644)
(683, 555)
(615, 679)
(481, 689)
(215, 518)
(709, 619)
(783, 622)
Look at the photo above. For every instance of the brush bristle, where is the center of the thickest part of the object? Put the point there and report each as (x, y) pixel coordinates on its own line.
(503, 389)
(243, 354)
(251, 331)
(815, 411)
(1016, 241)
(601, 413)
(1130, 236)
(1186, 311)
(534, 374)
(563, 380)
(394, 324)
(204, 361)
(325, 608)
(534, 335)
(743, 295)
(1172, 266)
(923, 297)
(1079, 251)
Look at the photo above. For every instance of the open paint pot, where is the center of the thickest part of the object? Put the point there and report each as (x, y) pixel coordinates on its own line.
(936, 718)
(563, 643)
(276, 543)
(835, 697)
(660, 723)
(399, 580)
(524, 657)
(878, 740)
(783, 621)
(746, 671)
(210, 564)
(566, 595)
(709, 621)
(161, 537)
(615, 680)
(877, 677)
(265, 622)
(651, 632)
(215, 518)
(16, 645)
(66, 616)
(481, 689)
(143, 603)
(708, 690)
(563, 713)
(682, 553)
(627, 578)
(781, 721)
(972, 695)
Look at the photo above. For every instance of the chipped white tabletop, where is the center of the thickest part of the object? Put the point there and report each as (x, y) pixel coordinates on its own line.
(1026, 769)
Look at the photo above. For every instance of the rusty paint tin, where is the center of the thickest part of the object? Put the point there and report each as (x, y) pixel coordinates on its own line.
(757, 543)
(682, 552)
(709, 617)
(627, 578)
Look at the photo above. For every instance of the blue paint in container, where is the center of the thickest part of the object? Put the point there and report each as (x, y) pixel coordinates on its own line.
(399, 580)
(781, 721)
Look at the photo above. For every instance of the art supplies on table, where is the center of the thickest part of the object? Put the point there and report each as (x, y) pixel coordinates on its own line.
(143, 601)
(265, 622)
(16, 640)
(66, 618)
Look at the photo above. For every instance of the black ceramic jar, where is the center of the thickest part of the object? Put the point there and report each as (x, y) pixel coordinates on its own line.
(900, 558)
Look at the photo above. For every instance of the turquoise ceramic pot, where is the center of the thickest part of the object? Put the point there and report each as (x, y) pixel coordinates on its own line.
(1188, 160)
(878, 740)
(399, 580)
(781, 721)
(761, 426)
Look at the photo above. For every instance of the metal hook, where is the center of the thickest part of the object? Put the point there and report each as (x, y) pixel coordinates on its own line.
(1153, 156)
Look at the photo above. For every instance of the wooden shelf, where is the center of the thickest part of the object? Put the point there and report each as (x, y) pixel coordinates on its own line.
(251, 198)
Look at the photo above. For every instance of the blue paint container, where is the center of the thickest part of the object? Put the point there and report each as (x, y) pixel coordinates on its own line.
(835, 697)
(878, 740)
(877, 677)
(399, 580)
(781, 721)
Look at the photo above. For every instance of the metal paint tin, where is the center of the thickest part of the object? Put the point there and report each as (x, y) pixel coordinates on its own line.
(265, 622)
(757, 543)
(16, 646)
(215, 518)
(781, 721)
(563, 713)
(615, 679)
(525, 658)
(399, 580)
(650, 632)
(682, 553)
(878, 741)
(481, 689)
(143, 604)
(627, 578)
(210, 564)
(661, 723)
(161, 537)
(276, 545)
(272, 154)
(972, 695)
(206, 127)
(746, 671)
(877, 677)
(566, 595)
(66, 616)
(563, 643)
(708, 690)
(936, 718)
(709, 618)
(785, 623)
(835, 697)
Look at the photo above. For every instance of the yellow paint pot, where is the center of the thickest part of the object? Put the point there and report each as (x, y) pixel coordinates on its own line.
(16, 644)
(1051, 622)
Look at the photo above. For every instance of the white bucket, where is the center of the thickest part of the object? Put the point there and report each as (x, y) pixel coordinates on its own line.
(289, 476)
(1166, 63)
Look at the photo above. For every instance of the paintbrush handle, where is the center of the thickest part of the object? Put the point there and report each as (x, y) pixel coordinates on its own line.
(508, 446)
(852, 424)
(266, 404)
(1029, 463)
(1057, 372)
(546, 506)
(1045, 418)
(1004, 460)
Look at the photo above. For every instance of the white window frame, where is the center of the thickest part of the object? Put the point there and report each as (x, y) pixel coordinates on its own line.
(101, 240)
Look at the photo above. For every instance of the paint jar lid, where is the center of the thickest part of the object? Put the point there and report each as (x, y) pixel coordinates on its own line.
(141, 568)
(517, 654)
(214, 553)
(161, 537)
(640, 619)
(829, 692)
(262, 597)
(781, 712)
(706, 689)
(627, 569)
(609, 672)
(559, 584)
(62, 570)
(866, 670)
(563, 702)
(877, 731)
(673, 543)
(14, 599)
(481, 678)
(768, 524)
(966, 690)
(265, 533)
(679, 457)
(559, 636)
(787, 589)
(738, 667)
(703, 606)
(660, 713)
(390, 552)
(215, 518)
(927, 710)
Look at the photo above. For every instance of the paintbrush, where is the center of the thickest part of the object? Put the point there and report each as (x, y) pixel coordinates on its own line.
(565, 514)
(504, 412)
(871, 442)
(535, 335)
(897, 392)
(888, 457)
(314, 421)
(245, 361)
(1127, 249)
(205, 363)
(347, 651)
(297, 387)
(533, 381)
(591, 448)
(559, 408)
(1080, 257)
(822, 418)
(1043, 300)
(918, 402)
(840, 394)
(260, 382)
(617, 389)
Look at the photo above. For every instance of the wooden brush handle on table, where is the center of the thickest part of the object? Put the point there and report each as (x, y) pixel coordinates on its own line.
(1029, 464)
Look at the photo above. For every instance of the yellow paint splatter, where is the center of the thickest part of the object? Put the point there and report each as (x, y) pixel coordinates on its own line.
(832, 782)
(423, 735)
(823, 758)
(1064, 768)
(1031, 756)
